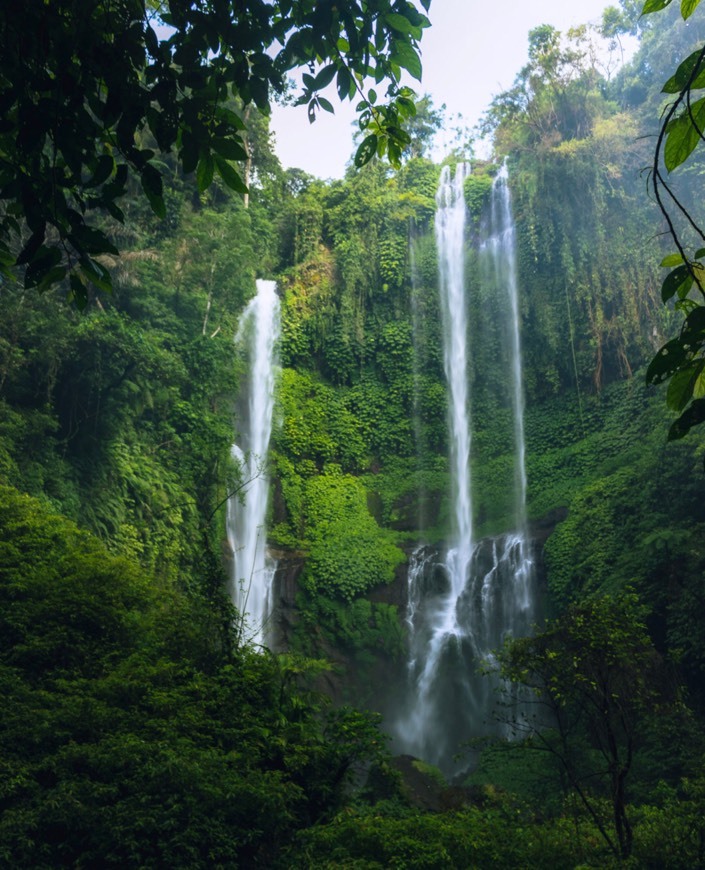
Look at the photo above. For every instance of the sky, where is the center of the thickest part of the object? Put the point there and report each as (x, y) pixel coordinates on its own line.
(472, 52)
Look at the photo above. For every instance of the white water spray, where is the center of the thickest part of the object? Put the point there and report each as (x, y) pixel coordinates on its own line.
(253, 569)
(501, 245)
(464, 603)
(436, 630)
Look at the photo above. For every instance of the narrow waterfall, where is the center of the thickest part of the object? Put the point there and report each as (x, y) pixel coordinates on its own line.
(500, 244)
(450, 241)
(436, 663)
(253, 569)
(464, 602)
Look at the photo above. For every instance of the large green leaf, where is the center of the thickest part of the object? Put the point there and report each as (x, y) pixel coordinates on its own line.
(367, 150)
(230, 148)
(406, 57)
(204, 172)
(324, 77)
(693, 415)
(676, 279)
(654, 6)
(688, 7)
(230, 176)
(684, 75)
(151, 180)
(682, 386)
(683, 135)
(400, 23)
(667, 361)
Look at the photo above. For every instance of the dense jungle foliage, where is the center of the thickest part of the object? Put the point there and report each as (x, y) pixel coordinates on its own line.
(137, 730)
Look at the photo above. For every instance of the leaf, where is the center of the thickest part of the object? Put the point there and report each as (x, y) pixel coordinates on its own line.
(367, 150)
(324, 77)
(674, 280)
(699, 385)
(344, 83)
(103, 170)
(230, 148)
(230, 176)
(668, 360)
(406, 56)
(681, 386)
(151, 180)
(96, 274)
(78, 294)
(326, 105)
(684, 134)
(34, 242)
(692, 416)
(654, 6)
(204, 172)
(398, 135)
(44, 260)
(679, 80)
(672, 260)
(399, 23)
(91, 240)
(222, 113)
(53, 276)
(688, 7)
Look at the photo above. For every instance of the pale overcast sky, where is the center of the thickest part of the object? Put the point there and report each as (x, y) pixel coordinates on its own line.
(472, 52)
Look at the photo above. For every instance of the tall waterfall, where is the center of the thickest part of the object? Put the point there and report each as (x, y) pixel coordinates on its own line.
(253, 569)
(464, 602)
(450, 241)
(501, 246)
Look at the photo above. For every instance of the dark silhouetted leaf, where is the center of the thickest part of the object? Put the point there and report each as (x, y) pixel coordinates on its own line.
(367, 150)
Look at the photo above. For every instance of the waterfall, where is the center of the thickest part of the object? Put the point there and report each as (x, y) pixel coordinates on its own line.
(501, 246)
(465, 601)
(253, 569)
(450, 238)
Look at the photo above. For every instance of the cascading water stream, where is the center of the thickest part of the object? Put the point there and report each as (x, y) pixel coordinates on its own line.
(450, 239)
(440, 632)
(253, 569)
(463, 603)
(501, 245)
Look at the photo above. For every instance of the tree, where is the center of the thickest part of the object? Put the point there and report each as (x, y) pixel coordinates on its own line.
(96, 94)
(594, 674)
(681, 361)
(556, 97)
(422, 128)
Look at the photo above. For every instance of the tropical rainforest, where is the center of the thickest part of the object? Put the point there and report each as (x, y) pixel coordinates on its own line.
(141, 725)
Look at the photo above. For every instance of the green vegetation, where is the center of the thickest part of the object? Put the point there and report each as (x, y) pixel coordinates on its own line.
(147, 87)
(137, 731)
(680, 361)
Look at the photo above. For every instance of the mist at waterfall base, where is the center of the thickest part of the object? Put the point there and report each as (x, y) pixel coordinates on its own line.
(464, 600)
(252, 567)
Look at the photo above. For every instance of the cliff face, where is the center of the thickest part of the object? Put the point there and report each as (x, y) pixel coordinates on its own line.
(373, 677)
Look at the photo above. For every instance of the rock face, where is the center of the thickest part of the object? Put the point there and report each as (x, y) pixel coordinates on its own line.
(290, 564)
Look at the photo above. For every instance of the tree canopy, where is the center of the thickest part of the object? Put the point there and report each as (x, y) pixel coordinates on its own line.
(97, 94)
